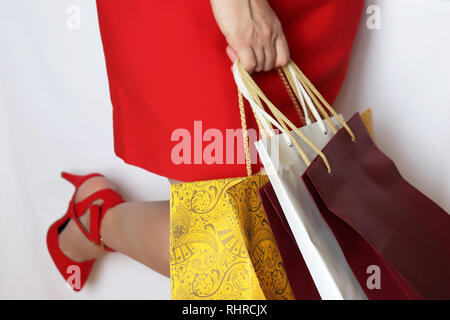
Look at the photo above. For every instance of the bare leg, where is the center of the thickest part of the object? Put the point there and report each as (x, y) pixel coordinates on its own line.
(139, 230)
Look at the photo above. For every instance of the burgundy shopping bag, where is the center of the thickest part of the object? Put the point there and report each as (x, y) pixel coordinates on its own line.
(358, 252)
(368, 205)
(300, 280)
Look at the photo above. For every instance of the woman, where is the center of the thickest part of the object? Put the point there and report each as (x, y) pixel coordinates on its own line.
(168, 66)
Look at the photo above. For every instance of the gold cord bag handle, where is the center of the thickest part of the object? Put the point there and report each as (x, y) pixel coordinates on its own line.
(291, 96)
(290, 70)
(290, 92)
(245, 134)
(316, 96)
(281, 118)
(245, 130)
(258, 121)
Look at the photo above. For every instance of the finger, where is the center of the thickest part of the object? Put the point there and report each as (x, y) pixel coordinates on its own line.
(260, 58)
(231, 54)
(248, 58)
(270, 56)
(282, 52)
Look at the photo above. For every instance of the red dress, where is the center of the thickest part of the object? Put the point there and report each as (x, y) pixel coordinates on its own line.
(167, 68)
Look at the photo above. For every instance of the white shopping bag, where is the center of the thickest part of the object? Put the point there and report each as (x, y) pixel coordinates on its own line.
(323, 256)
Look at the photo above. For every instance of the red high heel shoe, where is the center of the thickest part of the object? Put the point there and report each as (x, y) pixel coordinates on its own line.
(67, 267)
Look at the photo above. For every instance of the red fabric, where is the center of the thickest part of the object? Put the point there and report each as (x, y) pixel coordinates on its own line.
(368, 204)
(167, 67)
(300, 279)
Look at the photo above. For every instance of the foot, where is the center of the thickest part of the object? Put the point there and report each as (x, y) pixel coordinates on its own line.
(72, 241)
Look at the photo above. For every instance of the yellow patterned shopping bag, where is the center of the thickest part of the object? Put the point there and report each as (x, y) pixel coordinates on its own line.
(221, 245)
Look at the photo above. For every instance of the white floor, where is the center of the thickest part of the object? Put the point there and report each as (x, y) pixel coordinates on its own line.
(55, 114)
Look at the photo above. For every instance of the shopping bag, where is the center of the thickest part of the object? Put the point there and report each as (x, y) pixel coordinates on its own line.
(322, 254)
(302, 284)
(366, 193)
(221, 246)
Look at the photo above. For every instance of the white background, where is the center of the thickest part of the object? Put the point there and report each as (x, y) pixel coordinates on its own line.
(55, 115)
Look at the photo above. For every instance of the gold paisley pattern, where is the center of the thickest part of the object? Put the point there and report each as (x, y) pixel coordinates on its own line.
(221, 245)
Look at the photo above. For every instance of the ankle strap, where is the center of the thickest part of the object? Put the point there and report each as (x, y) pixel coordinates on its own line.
(110, 198)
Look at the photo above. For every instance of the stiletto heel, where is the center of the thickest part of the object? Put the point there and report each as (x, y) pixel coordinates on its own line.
(77, 180)
(65, 265)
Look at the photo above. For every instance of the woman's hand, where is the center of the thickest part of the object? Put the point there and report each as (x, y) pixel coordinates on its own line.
(253, 33)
